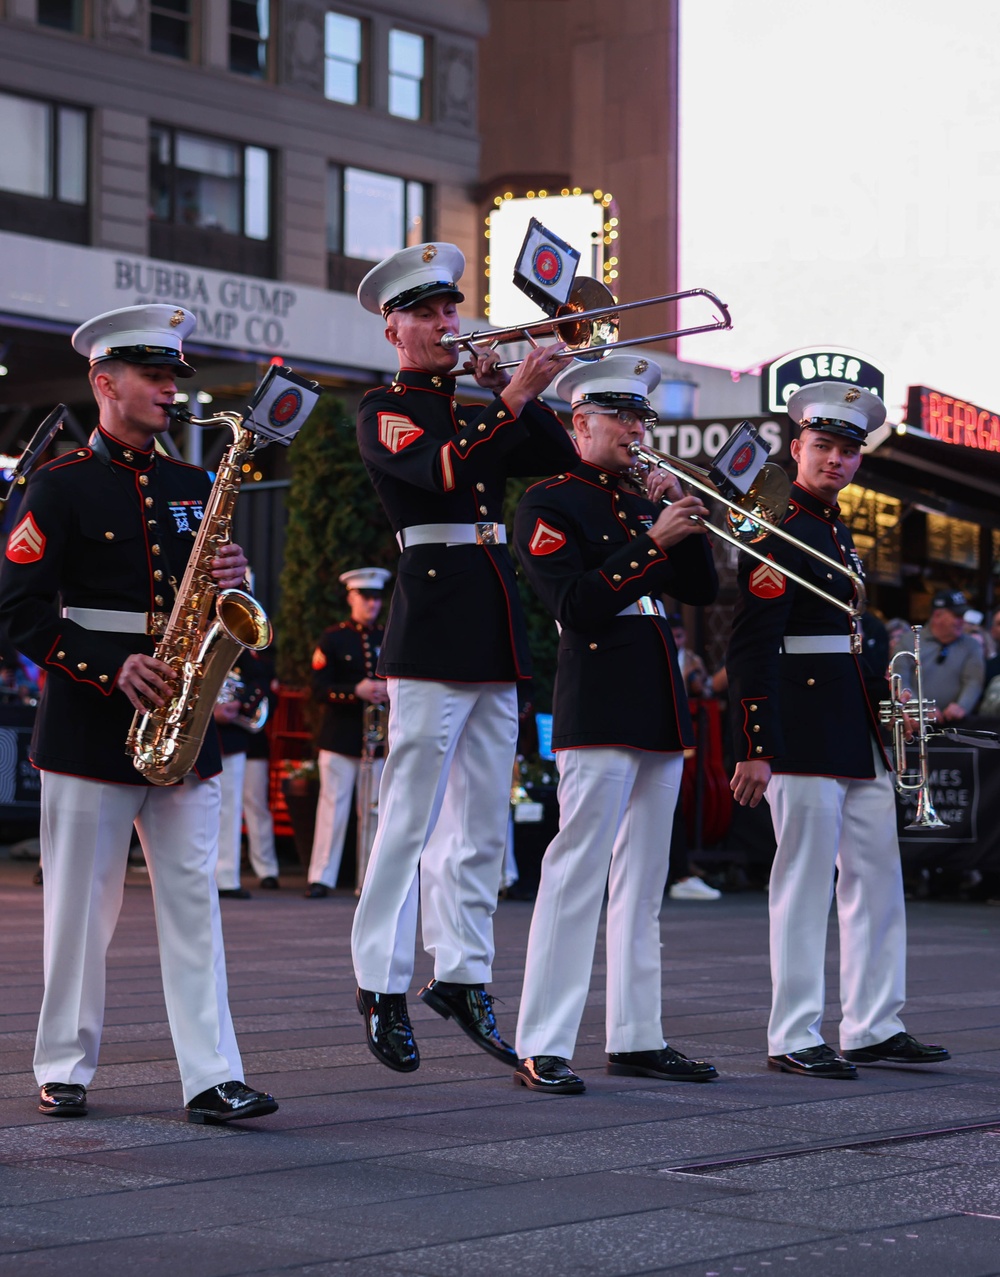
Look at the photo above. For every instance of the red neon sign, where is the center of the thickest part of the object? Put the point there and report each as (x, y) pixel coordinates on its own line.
(953, 420)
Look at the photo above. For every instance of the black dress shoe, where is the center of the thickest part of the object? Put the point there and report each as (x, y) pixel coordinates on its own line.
(471, 1007)
(234, 893)
(270, 883)
(548, 1073)
(665, 1063)
(228, 1102)
(901, 1048)
(36, 877)
(813, 1061)
(316, 891)
(390, 1033)
(62, 1099)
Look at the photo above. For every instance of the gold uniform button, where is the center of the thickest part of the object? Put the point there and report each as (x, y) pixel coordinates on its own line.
(110, 536)
(431, 572)
(61, 655)
(756, 727)
(481, 427)
(454, 404)
(633, 565)
(103, 678)
(155, 549)
(616, 577)
(159, 600)
(483, 509)
(480, 487)
(397, 389)
(149, 500)
(82, 665)
(753, 709)
(129, 456)
(157, 575)
(81, 454)
(144, 479)
(435, 381)
(651, 553)
(462, 442)
(810, 682)
(759, 749)
(593, 647)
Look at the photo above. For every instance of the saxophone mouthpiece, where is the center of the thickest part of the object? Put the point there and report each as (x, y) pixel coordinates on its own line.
(179, 412)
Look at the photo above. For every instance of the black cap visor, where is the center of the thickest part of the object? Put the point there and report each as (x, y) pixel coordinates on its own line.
(615, 399)
(402, 301)
(834, 426)
(164, 356)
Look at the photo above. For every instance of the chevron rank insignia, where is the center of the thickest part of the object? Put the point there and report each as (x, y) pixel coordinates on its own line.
(545, 540)
(396, 432)
(26, 543)
(319, 659)
(766, 582)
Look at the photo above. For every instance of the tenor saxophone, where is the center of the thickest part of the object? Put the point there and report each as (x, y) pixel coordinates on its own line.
(207, 629)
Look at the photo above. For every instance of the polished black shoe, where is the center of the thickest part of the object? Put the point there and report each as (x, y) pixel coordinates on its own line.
(549, 1073)
(813, 1061)
(471, 1007)
(62, 1099)
(390, 1033)
(270, 883)
(228, 1102)
(901, 1048)
(316, 891)
(36, 877)
(234, 893)
(665, 1063)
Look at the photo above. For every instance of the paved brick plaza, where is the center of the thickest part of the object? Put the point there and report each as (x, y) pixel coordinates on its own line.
(454, 1171)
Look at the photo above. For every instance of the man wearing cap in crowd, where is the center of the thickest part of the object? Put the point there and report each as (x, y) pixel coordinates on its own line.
(344, 683)
(805, 729)
(89, 577)
(455, 646)
(598, 555)
(952, 663)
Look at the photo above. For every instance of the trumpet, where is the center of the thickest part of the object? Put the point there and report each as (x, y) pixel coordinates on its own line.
(893, 713)
(753, 517)
(588, 324)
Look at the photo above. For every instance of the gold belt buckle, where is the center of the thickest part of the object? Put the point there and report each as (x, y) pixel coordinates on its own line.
(157, 623)
(487, 534)
(857, 644)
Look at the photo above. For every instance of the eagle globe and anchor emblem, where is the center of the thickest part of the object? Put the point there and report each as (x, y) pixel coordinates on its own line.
(284, 408)
(546, 264)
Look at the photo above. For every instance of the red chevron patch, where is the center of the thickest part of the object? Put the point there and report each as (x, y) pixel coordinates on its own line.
(396, 432)
(767, 582)
(545, 540)
(26, 543)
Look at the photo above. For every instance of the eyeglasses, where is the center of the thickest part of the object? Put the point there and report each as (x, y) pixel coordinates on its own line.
(626, 417)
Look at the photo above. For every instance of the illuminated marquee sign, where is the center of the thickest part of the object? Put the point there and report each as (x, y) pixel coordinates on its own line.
(817, 363)
(953, 420)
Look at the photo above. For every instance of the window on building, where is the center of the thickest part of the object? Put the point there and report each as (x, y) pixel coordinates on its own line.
(43, 169)
(407, 57)
(249, 35)
(65, 15)
(345, 65)
(170, 27)
(210, 201)
(369, 216)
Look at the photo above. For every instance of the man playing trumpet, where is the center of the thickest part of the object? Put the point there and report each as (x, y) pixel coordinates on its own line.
(805, 729)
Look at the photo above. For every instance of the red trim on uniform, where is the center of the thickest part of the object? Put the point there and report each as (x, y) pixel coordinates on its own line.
(447, 471)
(104, 688)
(82, 454)
(755, 758)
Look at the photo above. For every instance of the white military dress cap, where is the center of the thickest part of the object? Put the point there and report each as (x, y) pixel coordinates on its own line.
(407, 277)
(838, 408)
(139, 334)
(617, 381)
(365, 578)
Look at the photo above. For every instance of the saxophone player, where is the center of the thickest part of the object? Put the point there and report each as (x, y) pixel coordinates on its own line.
(89, 576)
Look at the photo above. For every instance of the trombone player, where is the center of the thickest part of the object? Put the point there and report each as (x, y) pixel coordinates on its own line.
(805, 728)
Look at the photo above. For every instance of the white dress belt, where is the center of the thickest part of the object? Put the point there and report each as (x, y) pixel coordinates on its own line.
(452, 534)
(92, 618)
(815, 644)
(644, 606)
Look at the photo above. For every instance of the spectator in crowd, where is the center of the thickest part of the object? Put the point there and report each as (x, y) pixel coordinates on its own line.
(952, 663)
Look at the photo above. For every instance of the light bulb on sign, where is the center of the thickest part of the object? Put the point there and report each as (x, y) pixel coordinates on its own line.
(203, 396)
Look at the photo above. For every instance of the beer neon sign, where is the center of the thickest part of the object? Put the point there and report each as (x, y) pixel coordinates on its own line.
(953, 420)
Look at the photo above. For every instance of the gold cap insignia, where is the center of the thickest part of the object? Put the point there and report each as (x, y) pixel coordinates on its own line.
(641, 366)
(429, 253)
(176, 318)
(852, 395)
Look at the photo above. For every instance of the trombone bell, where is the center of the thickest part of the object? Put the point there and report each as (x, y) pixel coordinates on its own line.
(588, 295)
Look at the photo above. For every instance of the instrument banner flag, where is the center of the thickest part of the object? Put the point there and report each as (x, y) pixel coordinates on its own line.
(546, 267)
(281, 404)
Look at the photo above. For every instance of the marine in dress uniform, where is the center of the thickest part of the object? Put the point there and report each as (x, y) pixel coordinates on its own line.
(805, 728)
(455, 645)
(598, 555)
(344, 683)
(89, 575)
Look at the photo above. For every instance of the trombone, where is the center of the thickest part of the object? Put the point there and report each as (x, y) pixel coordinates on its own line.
(754, 517)
(587, 323)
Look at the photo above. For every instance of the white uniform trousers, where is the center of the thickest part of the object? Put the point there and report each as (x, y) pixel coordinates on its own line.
(338, 776)
(443, 806)
(227, 868)
(258, 818)
(616, 809)
(820, 824)
(86, 827)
